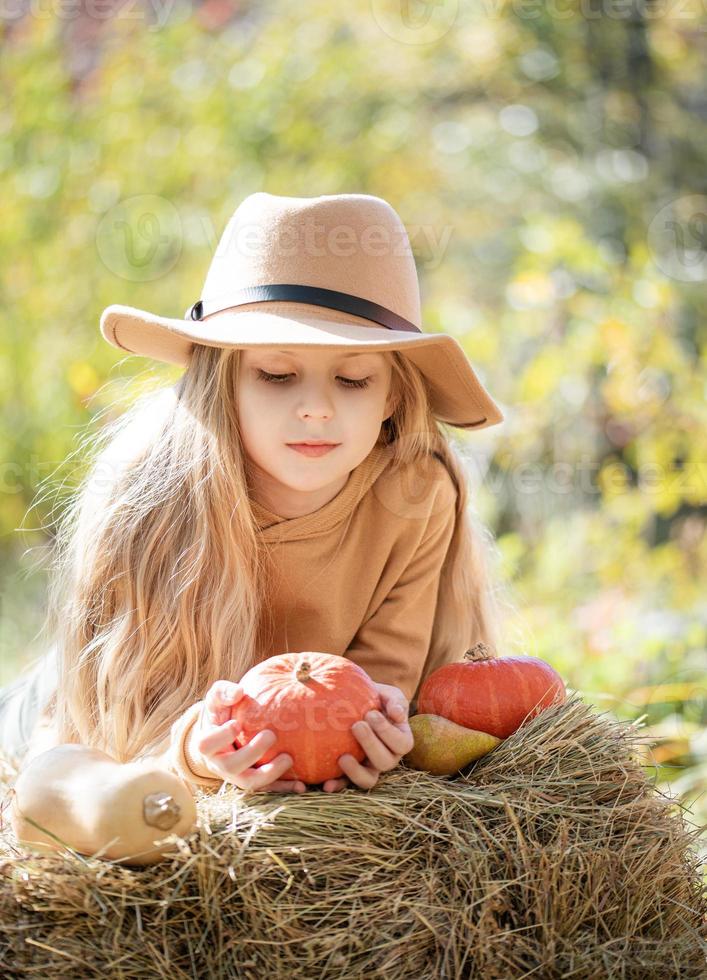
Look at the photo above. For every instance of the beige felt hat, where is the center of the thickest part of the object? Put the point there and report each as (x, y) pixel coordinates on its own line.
(329, 271)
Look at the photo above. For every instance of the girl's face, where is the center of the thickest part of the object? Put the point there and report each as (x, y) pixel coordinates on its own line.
(289, 395)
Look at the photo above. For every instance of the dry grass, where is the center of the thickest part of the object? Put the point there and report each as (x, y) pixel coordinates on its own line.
(553, 856)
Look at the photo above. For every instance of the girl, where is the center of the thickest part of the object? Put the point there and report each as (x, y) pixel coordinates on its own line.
(294, 490)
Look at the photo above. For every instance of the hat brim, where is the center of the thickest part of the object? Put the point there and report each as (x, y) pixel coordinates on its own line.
(457, 396)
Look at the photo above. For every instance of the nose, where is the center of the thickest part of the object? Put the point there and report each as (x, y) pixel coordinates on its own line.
(315, 403)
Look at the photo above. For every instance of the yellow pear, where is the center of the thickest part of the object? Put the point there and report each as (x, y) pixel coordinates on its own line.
(442, 747)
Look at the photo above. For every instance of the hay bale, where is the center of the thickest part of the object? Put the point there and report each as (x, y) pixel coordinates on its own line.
(554, 856)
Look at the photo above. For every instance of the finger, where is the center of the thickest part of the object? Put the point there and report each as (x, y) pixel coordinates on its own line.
(219, 699)
(396, 740)
(396, 707)
(334, 785)
(285, 786)
(376, 749)
(255, 779)
(251, 777)
(219, 748)
(393, 700)
(362, 775)
(395, 737)
(218, 739)
(398, 711)
(248, 755)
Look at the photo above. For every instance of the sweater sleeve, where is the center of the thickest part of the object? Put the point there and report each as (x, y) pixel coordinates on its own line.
(393, 644)
(181, 756)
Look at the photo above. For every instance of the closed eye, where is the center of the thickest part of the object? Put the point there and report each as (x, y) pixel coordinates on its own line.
(282, 378)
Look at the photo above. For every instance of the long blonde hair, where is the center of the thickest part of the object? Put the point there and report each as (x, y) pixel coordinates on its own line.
(158, 570)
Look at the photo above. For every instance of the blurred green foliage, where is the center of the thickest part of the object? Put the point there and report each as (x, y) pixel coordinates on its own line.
(550, 167)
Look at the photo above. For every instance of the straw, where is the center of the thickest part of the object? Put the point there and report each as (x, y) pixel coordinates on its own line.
(553, 856)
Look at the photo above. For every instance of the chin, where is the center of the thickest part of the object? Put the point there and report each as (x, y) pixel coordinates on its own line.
(315, 482)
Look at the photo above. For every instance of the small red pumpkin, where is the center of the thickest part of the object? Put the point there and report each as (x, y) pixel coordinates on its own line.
(491, 694)
(310, 701)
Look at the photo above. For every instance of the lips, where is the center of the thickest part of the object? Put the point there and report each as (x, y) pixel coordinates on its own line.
(312, 449)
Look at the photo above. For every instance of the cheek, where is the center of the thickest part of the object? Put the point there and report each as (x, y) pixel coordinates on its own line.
(358, 404)
(254, 408)
(254, 399)
(377, 399)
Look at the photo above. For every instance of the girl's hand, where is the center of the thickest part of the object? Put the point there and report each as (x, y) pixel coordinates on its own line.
(215, 742)
(386, 741)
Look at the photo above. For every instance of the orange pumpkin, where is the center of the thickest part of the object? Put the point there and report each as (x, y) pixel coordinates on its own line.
(310, 701)
(491, 694)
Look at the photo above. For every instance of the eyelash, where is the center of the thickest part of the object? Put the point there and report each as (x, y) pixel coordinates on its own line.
(278, 379)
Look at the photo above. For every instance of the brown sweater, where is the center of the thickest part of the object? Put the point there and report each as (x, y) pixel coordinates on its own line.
(359, 578)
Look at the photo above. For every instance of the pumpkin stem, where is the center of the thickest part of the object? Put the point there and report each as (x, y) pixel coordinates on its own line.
(303, 671)
(479, 652)
(160, 810)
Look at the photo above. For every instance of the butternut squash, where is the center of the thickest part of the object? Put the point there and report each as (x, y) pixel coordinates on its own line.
(78, 796)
